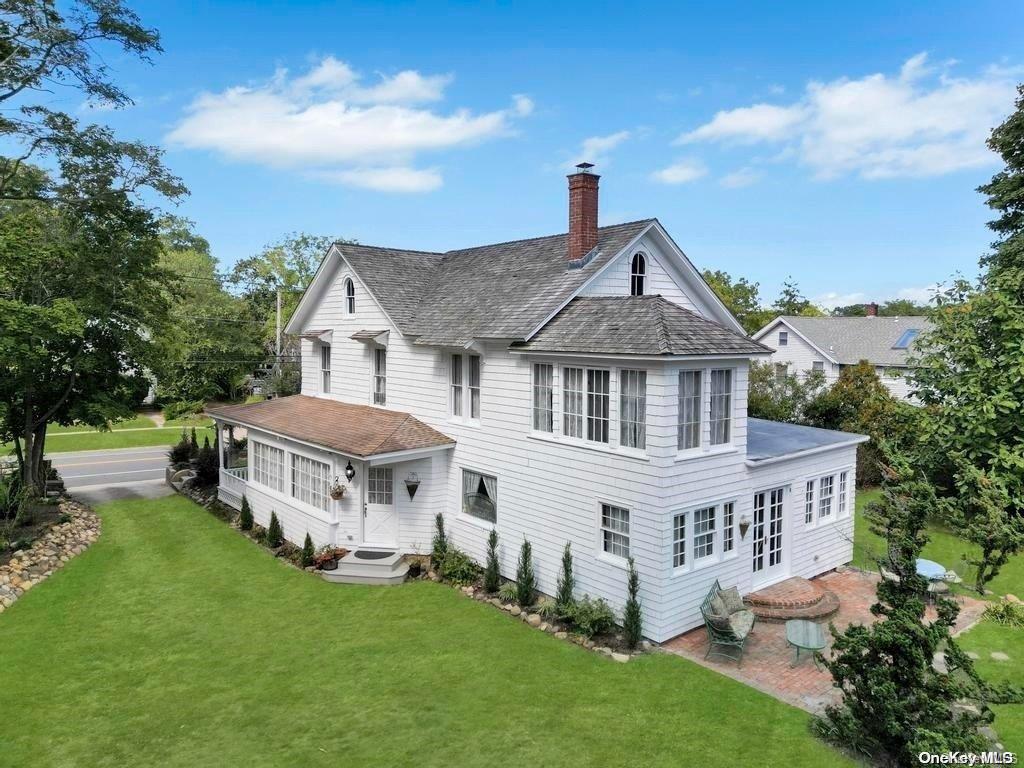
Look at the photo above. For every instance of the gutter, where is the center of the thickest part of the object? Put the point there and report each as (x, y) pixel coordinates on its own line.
(755, 463)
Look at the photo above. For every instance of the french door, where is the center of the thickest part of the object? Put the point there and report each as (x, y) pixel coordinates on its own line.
(769, 553)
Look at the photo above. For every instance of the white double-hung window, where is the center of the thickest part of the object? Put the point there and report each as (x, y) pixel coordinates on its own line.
(268, 466)
(474, 386)
(325, 368)
(573, 402)
(309, 481)
(826, 490)
(456, 385)
(615, 531)
(633, 409)
(543, 397)
(721, 406)
(598, 405)
(704, 535)
(691, 397)
(380, 376)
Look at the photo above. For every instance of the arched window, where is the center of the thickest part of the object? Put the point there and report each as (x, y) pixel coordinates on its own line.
(350, 296)
(637, 275)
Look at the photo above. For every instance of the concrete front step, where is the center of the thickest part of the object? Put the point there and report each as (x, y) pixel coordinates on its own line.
(356, 567)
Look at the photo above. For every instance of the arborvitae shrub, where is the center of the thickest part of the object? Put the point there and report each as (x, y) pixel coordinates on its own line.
(492, 573)
(307, 552)
(275, 536)
(632, 621)
(207, 464)
(566, 581)
(245, 516)
(440, 543)
(181, 452)
(526, 579)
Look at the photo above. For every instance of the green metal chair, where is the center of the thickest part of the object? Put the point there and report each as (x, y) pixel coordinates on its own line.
(727, 635)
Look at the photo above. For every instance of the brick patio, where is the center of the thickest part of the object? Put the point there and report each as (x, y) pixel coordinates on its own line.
(767, 659)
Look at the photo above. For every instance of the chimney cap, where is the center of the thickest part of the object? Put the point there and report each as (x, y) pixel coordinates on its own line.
(584, 167)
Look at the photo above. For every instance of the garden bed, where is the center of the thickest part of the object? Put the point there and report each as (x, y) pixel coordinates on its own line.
(35, 521)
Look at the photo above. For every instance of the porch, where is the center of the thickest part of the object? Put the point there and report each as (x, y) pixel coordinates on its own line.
(768, 658)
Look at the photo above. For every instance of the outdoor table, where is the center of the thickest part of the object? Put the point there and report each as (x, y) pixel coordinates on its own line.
(930, 569)
(804, 635)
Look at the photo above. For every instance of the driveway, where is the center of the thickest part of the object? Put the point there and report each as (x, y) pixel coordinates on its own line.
(126, 473)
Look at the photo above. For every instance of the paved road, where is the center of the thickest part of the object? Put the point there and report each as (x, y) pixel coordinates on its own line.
(126, 473)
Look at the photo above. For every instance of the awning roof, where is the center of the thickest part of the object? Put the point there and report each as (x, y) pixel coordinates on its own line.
(360, 431)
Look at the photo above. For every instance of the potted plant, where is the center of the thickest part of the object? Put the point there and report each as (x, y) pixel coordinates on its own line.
(326, 558)
(337, 490)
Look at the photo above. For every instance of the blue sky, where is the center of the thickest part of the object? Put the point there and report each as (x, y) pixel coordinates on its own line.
(837, 143)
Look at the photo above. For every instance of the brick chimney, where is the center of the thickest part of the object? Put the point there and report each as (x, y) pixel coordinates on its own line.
(871, 310)
(582, 211)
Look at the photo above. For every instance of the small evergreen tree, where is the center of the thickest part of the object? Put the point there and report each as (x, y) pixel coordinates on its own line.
(526, 579)
(308, 553)
(492, 573)
(564, 596)
(894, 702)
(207, 464)
(194, 445)
(440, 543)
(245, 516)
(632, 620)
(275, 536)
(181, 452)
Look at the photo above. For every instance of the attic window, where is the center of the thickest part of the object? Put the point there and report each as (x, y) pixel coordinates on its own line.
(637, 275)
(908, 336)
(350, 296)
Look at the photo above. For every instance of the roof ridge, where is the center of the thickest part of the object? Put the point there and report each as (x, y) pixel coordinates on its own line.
(543, 237)
(663, 340)
(340, 243)
(394, 431)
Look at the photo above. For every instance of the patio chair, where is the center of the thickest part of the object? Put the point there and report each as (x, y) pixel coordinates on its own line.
(727, 624)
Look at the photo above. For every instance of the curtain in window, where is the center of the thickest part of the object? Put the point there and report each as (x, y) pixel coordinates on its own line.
(491, 484)
(470, 482)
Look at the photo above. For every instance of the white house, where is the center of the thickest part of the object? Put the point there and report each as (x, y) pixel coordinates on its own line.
(828, 344)
(586, 387)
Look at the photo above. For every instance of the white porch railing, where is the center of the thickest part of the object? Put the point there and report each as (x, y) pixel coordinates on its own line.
(232, 485)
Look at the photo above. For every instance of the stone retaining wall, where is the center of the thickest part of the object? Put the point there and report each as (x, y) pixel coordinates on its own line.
(49, 552)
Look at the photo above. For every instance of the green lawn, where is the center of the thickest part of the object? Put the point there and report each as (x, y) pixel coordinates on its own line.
(943, 547)
(95, 441)
(174, 641)
(141, 421)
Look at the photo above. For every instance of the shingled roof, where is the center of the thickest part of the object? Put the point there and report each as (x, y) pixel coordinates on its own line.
(360, 431)
(848, 340)
(636, 325)
(500, 291)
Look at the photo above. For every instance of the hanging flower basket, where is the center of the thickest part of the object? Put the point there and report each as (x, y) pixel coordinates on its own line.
(337, 490)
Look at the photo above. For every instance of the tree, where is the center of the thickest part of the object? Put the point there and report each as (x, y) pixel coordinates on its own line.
(967, 372)
(207, 464)
(213, 340)
(275, 535)
(440, 544)
(245, 521)
(632, 618)
(492, 572)
(792, 302)
(891, 308)
(895, 704)
(526, 579)
(308, 553)
(781, 398)
(564, 594)
(78, 246)
(740, 297)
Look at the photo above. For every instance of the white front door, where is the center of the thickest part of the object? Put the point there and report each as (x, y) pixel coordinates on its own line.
(380, 520)
(769, 555)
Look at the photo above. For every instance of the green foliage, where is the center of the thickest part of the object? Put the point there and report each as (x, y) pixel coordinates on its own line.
(508, 592)
(894, 703)
(1005, 612)
(79, 274)
(891, 308)
(740, 297)
(308, 552)
(632, 619)
(275, 535)
(526, 579)
(193, 444)
(457, 567)
(968, 373)
(591, 617)
(440, 543)
(245, 520)
(207, 464)
(181, 452)
(492, 573)
(180, 408)
(784, 398)
(792, 302)
(566, 581)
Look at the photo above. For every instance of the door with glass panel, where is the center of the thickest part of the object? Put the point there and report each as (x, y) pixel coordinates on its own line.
(380, 520)
(770, 560)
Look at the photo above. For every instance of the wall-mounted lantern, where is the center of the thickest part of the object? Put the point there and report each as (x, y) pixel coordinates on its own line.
(744, 525)
(412, 482)
(350, 472)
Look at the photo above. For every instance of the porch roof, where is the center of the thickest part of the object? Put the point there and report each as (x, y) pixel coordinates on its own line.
(769, 441)
(360, 431)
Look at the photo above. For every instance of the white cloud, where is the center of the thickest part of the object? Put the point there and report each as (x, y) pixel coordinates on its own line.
(681, 172)
(832, 299)
(920, 122)
(595, 149)
(744, 177)
(919, 295)
(327, 123)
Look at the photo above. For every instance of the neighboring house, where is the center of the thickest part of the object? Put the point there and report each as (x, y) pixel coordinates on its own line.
(585, 388)
(827, 344)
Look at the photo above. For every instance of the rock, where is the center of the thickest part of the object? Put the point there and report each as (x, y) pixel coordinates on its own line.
(622, 658)
(964, 708)
(1011, 598)
(999, 656)
(988, 733)
(561, 635)
(544, 627)
(939, 663)
(973, 656)
(533, 620)
(603, 649)
(495, 602)
(588, 643)
(515, 610)
(646, 645)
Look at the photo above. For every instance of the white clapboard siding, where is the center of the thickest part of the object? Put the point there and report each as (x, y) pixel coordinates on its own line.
(797, 354)
(615, 279)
